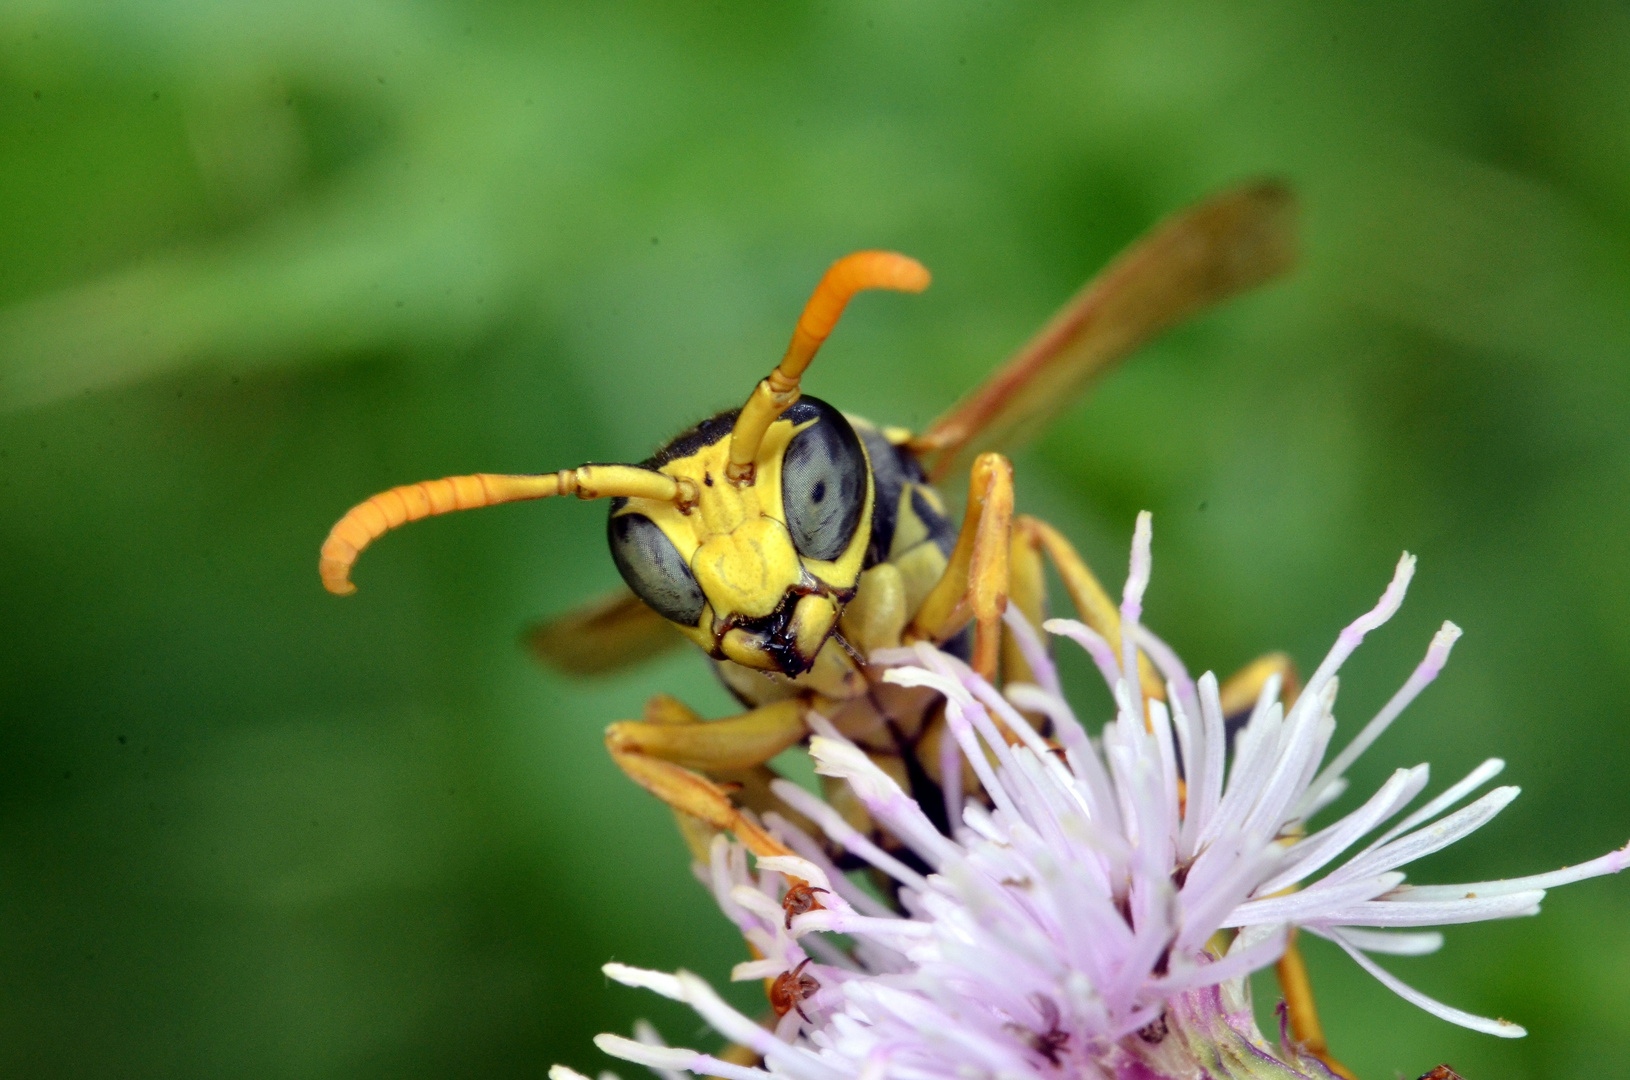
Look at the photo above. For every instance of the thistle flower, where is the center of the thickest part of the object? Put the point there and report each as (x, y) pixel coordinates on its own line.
(1077, 924)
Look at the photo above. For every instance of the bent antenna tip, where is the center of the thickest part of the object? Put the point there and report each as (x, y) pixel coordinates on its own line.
(336, 579)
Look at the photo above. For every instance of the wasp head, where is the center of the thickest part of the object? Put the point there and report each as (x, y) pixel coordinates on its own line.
(756, 572)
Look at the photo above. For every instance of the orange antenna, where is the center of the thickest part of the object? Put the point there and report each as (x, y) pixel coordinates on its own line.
(373, 518)
(777, 393)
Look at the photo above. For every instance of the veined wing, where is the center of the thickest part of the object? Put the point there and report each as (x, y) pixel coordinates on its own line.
(613, 632)
(1198, 257)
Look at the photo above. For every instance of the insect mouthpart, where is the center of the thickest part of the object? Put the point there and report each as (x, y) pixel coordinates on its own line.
(789, 638)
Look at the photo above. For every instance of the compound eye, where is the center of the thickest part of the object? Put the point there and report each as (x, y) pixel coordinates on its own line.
(654, 569)
(823, 481)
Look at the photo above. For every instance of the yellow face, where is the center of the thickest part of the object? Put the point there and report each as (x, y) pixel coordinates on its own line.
(756, 573)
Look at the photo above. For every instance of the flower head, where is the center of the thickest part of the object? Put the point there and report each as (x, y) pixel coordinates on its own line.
(1096, 912)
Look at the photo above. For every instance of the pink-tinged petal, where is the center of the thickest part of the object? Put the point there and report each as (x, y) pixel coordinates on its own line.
(1611, 863)
(751, 899)
(1208, 903)
(993, 701)
(960, 721)
(733, 1025)
(1103, 656)
(916, 675)
(836, 756)
(1503, 1028)
(1034, 651)
(792, 866)
(1166, 806)
(841, 832)
(1235, 964)
(950, 764)
(670, 1058)
(1467, 784)
(1313, 904)
(1299, 743)
(1066, 726)
(1437, 655)
(753, 970)
(1353, 635)
(1137, 580)
(1170, 665)
(844, 922)
(645, 1032)
(1392, 942)
(1254, 760)
(562, 1072)
(660, 982)
(1435, 912)
(1434, 837)
(811, 851)
(1205, 791)
(1309, 856)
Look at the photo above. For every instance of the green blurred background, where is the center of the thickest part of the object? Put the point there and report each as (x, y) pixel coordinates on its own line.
(260, 260)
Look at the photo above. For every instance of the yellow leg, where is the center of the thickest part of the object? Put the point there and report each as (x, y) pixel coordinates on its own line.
(731, 752)
(996, 553)
(1092, 603)
(1027, 585)
(990, 576)
(673, 733)
(1304, 1015)
(975, 582)
(695, 795)
(1243, 687)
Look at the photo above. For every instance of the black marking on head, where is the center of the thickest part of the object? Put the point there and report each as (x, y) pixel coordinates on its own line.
(776, 637)
(823, 480)
(775, 632)
(688, 442)
(685, 444)
(654, 569)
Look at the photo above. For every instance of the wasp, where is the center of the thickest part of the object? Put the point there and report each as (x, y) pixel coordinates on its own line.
(789, 541)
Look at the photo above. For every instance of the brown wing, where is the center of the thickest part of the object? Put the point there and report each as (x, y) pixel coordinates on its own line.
(613, 632)
(1205, 254)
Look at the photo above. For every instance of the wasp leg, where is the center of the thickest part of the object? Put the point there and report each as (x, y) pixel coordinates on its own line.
(877, 616)
(731, 751)
(1027, 589)
(1092, 604)
(976, 579)
(1240, 692)
(1304, 1015)
(694, 795)
(674, 733)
